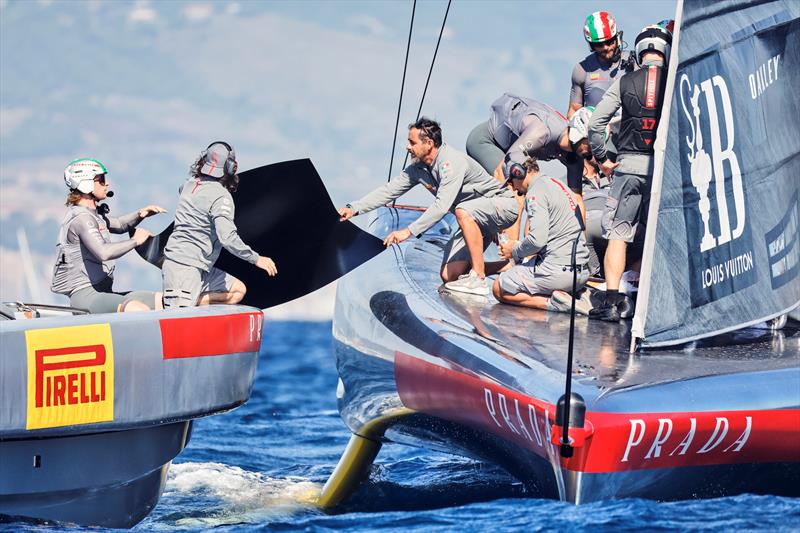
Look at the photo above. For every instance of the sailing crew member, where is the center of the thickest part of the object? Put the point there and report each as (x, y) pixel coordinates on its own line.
(84, 268)
(607, 62)
(544, 281)
(640, 96)
(591, 77)
(203, 226)
(520, 127)
(482, 205)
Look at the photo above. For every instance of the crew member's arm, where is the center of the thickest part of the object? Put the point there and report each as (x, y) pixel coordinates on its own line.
(602, 115)
(222, 211)
(539, 229)
(532, 138)
(384, 194)
(576, 93)
(87, 231)
(131, 220)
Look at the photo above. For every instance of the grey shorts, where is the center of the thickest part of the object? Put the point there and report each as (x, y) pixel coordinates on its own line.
(482, 148)
(101, 301)
(540, 278)
(626, 207)
(491, 214)
(184, 284)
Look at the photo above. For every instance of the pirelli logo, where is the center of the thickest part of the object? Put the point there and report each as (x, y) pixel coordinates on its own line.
(70, 376)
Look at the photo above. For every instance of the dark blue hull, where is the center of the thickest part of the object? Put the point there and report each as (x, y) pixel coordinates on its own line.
(473, 377)
(111, 479)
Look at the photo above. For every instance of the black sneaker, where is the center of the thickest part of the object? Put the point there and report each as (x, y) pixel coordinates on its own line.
(626, 307)
(607, 311)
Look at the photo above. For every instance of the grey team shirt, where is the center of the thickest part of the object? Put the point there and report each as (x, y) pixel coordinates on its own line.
(629, 163)
(592, 77)
(553, 225)
(204, 225)
(453, 178)
(523, 126)
(86, 253)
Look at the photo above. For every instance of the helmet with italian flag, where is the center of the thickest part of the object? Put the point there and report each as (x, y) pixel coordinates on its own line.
(600, 26)
(79, 174)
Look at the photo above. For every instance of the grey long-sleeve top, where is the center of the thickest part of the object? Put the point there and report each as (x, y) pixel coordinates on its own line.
(552, 224)
(85, 251)
(452, 178)
(204, 225)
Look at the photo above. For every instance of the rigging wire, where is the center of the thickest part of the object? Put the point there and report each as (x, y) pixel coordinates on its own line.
(402, 86)
(430, 71)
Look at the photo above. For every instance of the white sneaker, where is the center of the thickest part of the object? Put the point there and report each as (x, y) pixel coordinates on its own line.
(470, 283)
(562, 301)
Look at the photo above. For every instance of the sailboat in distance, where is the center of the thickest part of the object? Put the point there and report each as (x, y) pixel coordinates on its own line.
(707, 403)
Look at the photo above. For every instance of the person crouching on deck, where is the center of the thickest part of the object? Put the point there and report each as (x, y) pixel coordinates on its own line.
(541, 281)
(84, 268)
(203, 226)
(482, 205)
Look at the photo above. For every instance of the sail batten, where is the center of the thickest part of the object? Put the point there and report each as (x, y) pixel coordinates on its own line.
(722, 251)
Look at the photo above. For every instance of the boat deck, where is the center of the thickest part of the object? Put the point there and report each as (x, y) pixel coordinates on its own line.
(601, 349)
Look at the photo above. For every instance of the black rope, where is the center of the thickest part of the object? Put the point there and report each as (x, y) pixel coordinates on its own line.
(430, 71)
(402, 86)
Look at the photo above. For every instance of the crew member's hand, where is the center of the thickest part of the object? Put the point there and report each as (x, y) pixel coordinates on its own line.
(140, 235)
(506, 248)
(345, 213)
(267, 264)
(151, 210)
(396, 237)
(607, 167)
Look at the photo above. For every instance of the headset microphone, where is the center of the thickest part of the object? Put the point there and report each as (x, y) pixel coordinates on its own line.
(109, 194)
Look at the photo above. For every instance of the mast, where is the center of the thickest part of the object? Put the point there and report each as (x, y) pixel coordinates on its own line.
(659, 148)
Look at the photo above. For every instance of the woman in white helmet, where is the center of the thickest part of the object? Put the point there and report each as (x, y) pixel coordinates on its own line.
(84, 269)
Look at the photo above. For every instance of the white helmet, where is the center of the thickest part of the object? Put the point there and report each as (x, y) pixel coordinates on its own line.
(579, 124)
(653, 38)
(79, 174)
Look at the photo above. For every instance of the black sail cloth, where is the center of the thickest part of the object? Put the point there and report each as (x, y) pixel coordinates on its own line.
(283, 211)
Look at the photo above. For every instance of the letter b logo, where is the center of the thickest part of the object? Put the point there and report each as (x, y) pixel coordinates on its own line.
(704, 167)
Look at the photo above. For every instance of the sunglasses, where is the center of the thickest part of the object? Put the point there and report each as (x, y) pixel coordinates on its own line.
(601, 44)
(101, 179)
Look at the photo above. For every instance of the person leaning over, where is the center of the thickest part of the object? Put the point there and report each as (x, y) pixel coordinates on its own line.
(203, 226)
(640, 95)
(84, 268)
(520, 127)
(553, 228)
(482, 205)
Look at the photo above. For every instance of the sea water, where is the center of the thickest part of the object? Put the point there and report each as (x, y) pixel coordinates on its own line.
(259, 468)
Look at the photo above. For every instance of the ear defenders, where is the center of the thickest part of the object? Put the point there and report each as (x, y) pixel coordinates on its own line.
(230, 166)
(512, 170)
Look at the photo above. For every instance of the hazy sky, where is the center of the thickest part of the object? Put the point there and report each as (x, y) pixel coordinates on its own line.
(144, 86)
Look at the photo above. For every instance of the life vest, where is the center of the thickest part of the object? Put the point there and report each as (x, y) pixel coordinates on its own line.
(642, 93)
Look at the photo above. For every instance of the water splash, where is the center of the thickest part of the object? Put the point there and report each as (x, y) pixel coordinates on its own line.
(226, 495)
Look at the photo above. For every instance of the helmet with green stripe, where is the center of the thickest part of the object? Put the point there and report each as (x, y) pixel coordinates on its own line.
(79, 174)
(600, 26)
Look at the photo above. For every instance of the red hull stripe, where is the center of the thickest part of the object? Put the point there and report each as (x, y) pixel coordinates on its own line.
(211, 335)
(610, 442)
